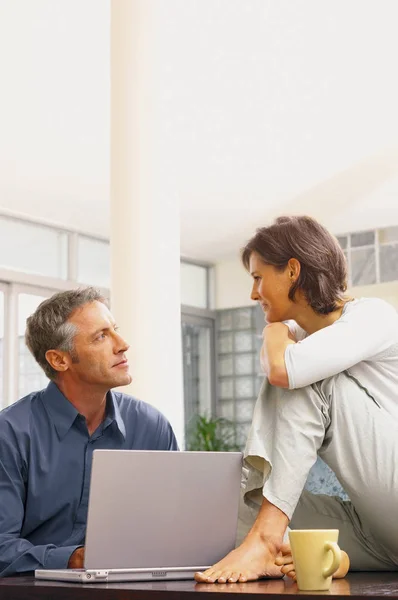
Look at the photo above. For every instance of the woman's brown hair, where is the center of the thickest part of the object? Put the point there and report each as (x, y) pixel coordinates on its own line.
(323, 274)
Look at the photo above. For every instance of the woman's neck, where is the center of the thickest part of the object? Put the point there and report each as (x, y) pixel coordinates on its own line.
(311, 321)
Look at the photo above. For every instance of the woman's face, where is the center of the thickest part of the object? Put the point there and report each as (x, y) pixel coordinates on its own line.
(271, 288)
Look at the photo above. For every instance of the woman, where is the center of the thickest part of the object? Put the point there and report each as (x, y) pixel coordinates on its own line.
(331, 389)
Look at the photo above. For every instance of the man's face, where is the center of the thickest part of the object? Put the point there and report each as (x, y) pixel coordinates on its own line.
(99, 350)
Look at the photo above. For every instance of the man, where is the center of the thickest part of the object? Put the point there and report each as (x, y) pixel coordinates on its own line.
(47, 438)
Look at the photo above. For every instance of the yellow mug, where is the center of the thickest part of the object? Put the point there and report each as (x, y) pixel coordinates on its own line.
(316, 557)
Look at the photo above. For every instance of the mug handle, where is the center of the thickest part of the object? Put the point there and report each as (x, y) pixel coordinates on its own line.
(334, 548)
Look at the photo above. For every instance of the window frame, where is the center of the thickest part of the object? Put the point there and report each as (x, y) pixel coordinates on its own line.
(4, 289)
(11, 337)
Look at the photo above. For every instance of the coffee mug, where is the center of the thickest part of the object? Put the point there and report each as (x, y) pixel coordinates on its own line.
(316, 557)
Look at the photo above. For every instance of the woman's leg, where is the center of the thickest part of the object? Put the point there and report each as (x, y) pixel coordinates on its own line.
(318, 511)
(355, 437)
(361, 447)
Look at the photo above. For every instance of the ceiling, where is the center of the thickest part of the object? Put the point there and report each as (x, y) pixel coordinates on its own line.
(272, 107)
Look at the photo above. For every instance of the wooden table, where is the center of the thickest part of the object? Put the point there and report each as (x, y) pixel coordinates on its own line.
(356, 585)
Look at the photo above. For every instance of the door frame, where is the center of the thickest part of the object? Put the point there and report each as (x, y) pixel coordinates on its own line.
(206, 318)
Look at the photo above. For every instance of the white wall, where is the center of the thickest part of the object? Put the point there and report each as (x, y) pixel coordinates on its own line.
(54, 110)
(233, 286)
(265, 107)
(386, 291)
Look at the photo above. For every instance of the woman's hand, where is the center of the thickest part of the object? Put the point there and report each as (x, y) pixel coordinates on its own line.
(277, 337)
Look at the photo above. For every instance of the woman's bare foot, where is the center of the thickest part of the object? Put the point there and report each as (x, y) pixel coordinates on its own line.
(285, 561)
(253, 559)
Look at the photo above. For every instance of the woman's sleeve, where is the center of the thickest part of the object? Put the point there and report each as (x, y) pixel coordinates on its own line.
(367, 329)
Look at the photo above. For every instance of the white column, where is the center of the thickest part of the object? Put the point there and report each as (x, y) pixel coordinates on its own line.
(145, 228)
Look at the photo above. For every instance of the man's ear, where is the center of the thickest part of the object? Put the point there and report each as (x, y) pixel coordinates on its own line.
(58, 360)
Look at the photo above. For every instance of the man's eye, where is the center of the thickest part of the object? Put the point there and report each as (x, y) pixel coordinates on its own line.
(100, 336)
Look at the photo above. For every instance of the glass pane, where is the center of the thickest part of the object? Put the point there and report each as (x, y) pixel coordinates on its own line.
(244, 387)
(193, 285)
(244, 364)
(197, 370)
(226, 388)
(33, 248)
(364, 238)
(225, 343)
(259, 321)
(258, 343)
(258, 383)
(243, 318)
(31, 376)
(322, 480)
(225, 366)
(226, 409)
(390, 234)
(243, 341)
(93, 262)
(363, 266)
(389, 263)
(1, 349)
(244, 411)
(342, 240)
(225, 320)
(242, 433)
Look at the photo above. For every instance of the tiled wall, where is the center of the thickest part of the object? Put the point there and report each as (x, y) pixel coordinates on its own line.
(239, 381)
(239, 338)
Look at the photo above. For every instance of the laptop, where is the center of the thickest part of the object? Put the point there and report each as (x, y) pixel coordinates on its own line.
(157, 515)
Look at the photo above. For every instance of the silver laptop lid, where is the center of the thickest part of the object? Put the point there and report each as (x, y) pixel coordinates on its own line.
(161, 509)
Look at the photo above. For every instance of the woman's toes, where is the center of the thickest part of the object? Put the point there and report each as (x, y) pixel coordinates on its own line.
(287, 569)
(223, 577)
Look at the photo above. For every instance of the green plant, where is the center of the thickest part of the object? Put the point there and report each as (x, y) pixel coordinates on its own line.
(211, 434)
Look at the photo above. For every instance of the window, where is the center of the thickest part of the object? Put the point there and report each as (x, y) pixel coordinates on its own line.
(363, 258)
(363, 265)
(194, 285)
(30, 375)
(388, 239)
(37, 260)
(239, 378)
(33, 248)
(198, 365)
(372, 256)
(2, 352)
(93, 262)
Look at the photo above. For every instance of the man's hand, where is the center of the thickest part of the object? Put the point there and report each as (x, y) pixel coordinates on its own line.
(76, 560)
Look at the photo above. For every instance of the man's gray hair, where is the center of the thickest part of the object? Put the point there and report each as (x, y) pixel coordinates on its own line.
(48, 327)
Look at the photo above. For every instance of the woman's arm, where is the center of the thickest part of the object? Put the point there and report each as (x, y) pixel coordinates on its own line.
(277, 337)
(366, 330)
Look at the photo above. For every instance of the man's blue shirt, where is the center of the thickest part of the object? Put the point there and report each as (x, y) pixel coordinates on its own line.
(45, 466)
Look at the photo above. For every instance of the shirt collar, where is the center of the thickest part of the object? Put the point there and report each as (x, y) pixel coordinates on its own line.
(63, 413)
(113, 413)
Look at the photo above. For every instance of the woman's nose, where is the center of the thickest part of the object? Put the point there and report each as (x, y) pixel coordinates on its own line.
(254, 295)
